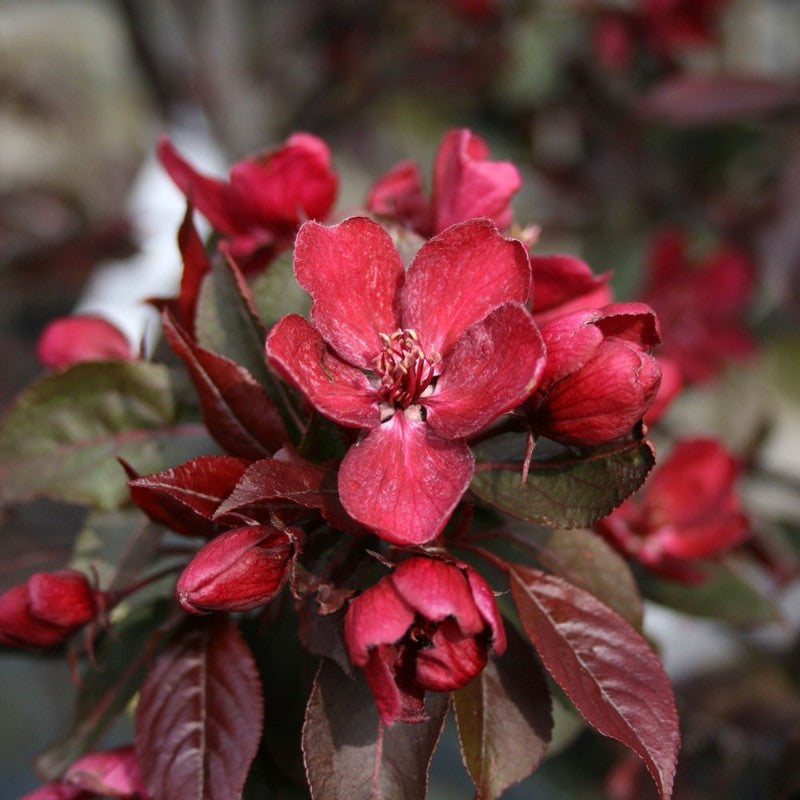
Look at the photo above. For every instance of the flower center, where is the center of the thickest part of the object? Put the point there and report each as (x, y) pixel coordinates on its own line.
(404, 370)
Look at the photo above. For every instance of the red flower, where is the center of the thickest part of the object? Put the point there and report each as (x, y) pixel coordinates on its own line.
(599, 378)
(688, 510)
(700, 305)
(237, 570)
(108, 773)
(46, 609)
(82, 337)
(421, 359)
(465, 185)
(427, 626)
(565, 284)
(267, 197)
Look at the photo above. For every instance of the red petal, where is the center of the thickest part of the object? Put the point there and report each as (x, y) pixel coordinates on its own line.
(398, 195)
(398, 698)
(404, 481)
(437, 590)
(353, 272)
(337, 389)
(493, 367)
(634, 322)
(377, 616)
(451, 661)
(487, 606)
(213, 198)
(109, 772)
(467, 185)
(82, 337)
(458, 277)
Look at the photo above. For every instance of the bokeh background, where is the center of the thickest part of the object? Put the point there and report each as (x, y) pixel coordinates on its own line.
(623, 117)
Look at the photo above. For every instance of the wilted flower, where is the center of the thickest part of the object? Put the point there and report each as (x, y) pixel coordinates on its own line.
(238, 570)
(688, 510)
(421, 359)
(465, 185)
(267, 196)
(82, 337)
(427, 626)
(599, 378)
(46, 609)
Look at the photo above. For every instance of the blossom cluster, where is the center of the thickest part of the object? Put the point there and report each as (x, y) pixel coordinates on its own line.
(441, 355)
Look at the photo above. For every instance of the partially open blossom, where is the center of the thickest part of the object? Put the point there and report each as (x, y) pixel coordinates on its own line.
(599, 379)
(427, 626)
(700, 304)
(82, 337)
(108, 773)
(46, 609)
(688, 510)
(266, 197)
(465, 185)
(421, 359)
(565, 284)
(238, 570)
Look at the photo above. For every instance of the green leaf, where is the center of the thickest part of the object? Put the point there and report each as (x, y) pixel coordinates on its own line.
(725, 595)
(586, 560)
(276, 292)
(566, 491)
(64, 433)
(504, 719)
(107, 688)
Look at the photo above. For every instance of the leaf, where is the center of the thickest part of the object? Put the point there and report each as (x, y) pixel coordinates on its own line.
(116, 546)
(107, 688)
(504, 719)
(237, 410)
(276, 292)
(603, 665)
(351, 755)
(185, 498)
(566, 492)
(64, 434)
(200, 713)
(725, 595)
(586, 560)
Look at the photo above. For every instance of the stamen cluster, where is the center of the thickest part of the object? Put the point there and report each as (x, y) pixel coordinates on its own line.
(404, 370)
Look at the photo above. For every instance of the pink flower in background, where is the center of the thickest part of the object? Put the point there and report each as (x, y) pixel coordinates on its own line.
(108, 773)
(421, 360)
(82, 337)
(46, 609)
(427, 626)
(266, 197)
(688, 510)
(700, 304)
(599, 378)
(466, 184)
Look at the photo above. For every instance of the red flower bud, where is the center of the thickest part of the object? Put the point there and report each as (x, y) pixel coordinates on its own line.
(428, 625)
(82, 337)
(237, 570)
(599, 378)
(688, 510)
(110, 773)
(46, 609)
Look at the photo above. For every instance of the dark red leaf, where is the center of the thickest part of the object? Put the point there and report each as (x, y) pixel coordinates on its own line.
(237, 410)
(185, 498)
(196, 265)
(504, 719)
(605, 667)
(200, 713)
(350, 754)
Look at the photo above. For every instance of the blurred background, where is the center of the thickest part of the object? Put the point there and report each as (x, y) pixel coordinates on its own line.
(624, 117)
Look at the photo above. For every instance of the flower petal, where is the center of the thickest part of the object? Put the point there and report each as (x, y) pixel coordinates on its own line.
(493, 367)
(353, 273)
(452, 660)
(458, 277)
(398, 195)
(404, 481)
(337, 389)
(82, 337)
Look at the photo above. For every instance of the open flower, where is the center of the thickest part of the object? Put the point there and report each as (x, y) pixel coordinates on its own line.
(421, 360)
(427, 626)
(600, 378)
(465, 185)
(688, 510)
(267, 196)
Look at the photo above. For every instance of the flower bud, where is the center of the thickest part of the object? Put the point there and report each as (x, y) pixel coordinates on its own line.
(82, 337)
(599, 378)
(110, 773)
(46, 609)
(238, 570)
